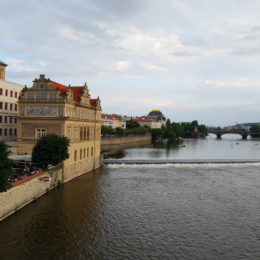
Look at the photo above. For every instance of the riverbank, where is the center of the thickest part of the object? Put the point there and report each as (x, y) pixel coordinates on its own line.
(28, 190)
(116, 143)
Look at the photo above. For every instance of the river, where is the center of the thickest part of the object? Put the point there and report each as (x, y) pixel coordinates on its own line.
(148, 211)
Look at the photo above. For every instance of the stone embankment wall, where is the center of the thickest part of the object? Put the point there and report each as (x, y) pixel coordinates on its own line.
(124, 142)
(19, 196)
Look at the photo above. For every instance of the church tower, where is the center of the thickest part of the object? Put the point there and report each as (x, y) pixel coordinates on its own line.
(2, 70)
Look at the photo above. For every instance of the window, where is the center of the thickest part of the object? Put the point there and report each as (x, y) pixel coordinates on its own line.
(1, 119)
(15, 108)
(53, 96)
(1, 132)
(87, 152)
(11, 119)
(41, 96)
(92, 151)
(6, 119)
(30, 96)
(10, 132)
(84, 156)
(40, 133)
(5, 132)
(15, 120)
(15, 94)
(11, 93)
(75, 155)
(1, 105)
(15, 131)
(6, 106)
(6, 92)
(80, 155)
(11, 106)
(1, 91)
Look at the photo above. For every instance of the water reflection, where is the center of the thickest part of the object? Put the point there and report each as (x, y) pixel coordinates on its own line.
(228, 147)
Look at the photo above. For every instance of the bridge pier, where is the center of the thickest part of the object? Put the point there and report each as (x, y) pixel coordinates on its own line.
(244, 136)
(219, 136)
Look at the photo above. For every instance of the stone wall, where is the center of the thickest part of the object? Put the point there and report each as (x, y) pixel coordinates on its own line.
(78, 168)
(124, 142)
(19, 196)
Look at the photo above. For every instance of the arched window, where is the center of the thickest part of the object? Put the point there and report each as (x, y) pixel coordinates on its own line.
(81, 133)
(84, 156)
(80, 155)
(88, 133)
(75, 155)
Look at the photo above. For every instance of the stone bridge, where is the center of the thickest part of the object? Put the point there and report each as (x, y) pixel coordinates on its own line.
(219, 133)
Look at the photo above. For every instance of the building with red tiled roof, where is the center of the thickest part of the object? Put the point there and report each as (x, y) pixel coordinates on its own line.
(113, 121)
(50, 107)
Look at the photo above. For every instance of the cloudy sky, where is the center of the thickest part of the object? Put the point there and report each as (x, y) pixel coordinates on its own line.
(192, 59)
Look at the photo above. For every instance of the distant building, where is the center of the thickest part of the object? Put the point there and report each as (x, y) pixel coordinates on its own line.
(146, 122)
(111, 120)
(9, 93)
(50, 107)
(158, 116)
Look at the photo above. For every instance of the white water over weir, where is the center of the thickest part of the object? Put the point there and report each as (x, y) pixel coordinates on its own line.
(179, 161)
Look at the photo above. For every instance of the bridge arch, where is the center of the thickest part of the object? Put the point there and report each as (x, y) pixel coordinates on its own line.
(219, 133)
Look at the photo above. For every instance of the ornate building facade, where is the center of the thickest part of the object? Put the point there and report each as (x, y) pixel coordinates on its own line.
(9, 93)
(50, 107)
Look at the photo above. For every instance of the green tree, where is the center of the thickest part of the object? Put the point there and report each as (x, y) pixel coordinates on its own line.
(50, 149)
(255, 130)
(156, 133)
(6, 166)
(119, 131)
(132, 124)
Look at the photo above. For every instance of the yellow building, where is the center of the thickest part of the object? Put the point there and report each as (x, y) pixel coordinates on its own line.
(50, 107)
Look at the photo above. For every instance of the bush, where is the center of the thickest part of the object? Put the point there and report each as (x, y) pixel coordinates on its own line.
(6, 166)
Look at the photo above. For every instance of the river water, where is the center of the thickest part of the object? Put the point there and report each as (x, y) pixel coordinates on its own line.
(148, 211)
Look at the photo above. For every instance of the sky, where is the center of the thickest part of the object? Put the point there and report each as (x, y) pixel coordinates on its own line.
(191, 59)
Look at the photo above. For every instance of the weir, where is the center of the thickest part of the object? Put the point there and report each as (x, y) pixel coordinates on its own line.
(179, 161)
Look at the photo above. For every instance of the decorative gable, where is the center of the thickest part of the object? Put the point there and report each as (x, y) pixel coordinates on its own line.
(42, 83)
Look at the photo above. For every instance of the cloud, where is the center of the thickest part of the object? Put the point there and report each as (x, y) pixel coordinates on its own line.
(122, 65)
(180, 55)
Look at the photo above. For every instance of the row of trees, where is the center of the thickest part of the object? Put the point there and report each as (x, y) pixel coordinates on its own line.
(174, 131)
(132, 128)
(255, 130)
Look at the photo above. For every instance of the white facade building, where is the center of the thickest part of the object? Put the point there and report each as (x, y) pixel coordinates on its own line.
(9, 93)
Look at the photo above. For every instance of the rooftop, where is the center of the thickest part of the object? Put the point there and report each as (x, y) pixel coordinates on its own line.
(2, 63)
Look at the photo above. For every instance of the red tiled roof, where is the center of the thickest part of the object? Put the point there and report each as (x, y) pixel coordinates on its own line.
(143, 120)
(93, 103)
(77, 91)
(59, 86)
(116, 117)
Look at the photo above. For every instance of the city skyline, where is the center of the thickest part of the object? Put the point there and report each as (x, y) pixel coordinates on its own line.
(193, 60)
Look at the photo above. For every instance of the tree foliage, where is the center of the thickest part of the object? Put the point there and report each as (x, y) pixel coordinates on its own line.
(118, 131)
(50, 149)
(6, 166)
(255, 130)
(174, 131)
(132, 124)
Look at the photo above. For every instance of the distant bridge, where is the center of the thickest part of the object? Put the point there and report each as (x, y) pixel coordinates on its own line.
(219, 133)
